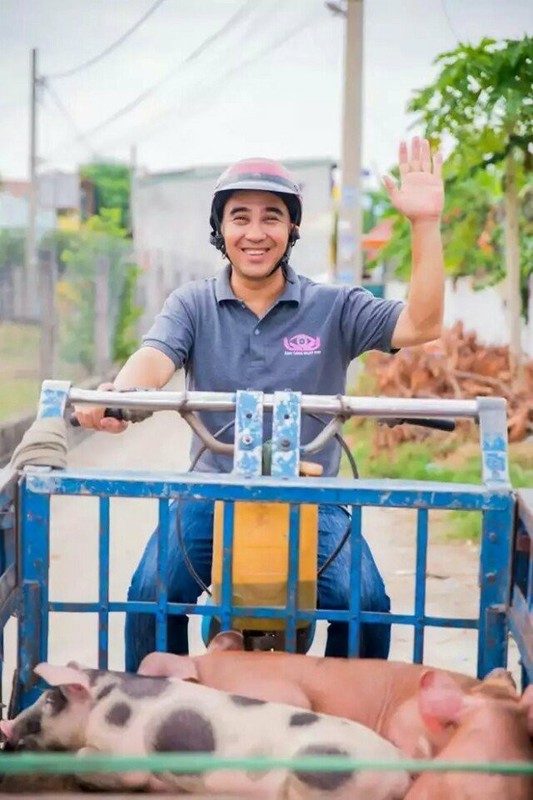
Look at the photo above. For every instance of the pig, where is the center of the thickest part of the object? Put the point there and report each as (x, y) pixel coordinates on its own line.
(88, 710)
(489, 725)
(382, 695)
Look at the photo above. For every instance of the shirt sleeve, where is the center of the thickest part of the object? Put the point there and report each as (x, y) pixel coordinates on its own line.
(368, 322)
(172, 331)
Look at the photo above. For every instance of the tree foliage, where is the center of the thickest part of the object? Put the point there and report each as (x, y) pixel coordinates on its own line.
(112, 184)
(481, 102)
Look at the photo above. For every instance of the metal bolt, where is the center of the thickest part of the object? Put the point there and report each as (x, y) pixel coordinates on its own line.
(491, 577)
(285, 444)
(493, 537)
(246, 439)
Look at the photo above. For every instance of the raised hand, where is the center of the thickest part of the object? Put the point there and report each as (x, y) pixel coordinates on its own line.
(420, 195)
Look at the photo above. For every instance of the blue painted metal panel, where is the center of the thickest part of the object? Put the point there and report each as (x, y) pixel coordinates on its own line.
(354, 627)
(162, 575)
(227, 566)
(494, 447)
(286, 435)
(420, 584)
(53, 399)
(384, 493)
(292, 588)
(248, 453)
(103, 583)
(495, 586)
(34, 556)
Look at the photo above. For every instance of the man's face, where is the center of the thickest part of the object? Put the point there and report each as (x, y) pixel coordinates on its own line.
(256, 228)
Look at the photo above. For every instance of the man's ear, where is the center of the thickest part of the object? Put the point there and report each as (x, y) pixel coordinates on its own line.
(73, 682)
(440, 699)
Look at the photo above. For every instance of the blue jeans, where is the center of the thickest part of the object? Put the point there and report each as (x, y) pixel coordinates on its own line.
(196, 518)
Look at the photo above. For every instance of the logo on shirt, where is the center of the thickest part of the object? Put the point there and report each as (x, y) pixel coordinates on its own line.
(301, 344)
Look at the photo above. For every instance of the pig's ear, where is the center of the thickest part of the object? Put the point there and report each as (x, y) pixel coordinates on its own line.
(227, 640)
(526, 701)
(73, 682)
(440, 699)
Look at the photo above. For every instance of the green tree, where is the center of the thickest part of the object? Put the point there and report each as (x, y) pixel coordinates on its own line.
(483, 99)
(112, 184)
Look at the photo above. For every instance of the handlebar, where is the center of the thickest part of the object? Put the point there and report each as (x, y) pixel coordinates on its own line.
(137, 405)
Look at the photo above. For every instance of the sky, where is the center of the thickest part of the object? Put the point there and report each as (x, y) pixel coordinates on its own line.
(238, 77)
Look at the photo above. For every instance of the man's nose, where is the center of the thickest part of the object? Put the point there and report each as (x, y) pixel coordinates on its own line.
(255, 231)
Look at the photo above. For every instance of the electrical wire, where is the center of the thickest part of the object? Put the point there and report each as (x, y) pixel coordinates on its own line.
(243, 10)
(223, 77)
(59, 104)
(449, 20)
(67, 73)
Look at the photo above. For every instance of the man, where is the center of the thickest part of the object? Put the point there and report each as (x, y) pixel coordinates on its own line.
(259, 325)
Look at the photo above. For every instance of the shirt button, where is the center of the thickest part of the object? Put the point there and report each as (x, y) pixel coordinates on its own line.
(257, 332)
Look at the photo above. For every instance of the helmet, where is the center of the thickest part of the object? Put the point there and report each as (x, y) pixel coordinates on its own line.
(256, 174)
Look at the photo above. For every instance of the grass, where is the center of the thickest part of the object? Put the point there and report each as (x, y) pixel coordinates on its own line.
(19, 368)
(438, 458)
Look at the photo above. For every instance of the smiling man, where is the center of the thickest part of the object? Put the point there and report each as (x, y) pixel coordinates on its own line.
(259, 325)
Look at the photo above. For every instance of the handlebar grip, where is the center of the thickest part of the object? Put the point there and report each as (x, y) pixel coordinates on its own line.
(115, 413)
(447, 425)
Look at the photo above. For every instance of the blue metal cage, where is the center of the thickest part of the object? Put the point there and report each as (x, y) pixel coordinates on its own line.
(506, 564)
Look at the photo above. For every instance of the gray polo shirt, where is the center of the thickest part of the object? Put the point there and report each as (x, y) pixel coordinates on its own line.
(305, 343)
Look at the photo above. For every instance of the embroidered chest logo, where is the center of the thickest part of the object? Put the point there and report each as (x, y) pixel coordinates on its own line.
(302, 345)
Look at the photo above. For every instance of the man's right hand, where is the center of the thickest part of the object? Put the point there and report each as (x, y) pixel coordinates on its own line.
(92, 417)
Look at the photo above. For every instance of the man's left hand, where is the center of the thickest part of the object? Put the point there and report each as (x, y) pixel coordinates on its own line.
(420, 196)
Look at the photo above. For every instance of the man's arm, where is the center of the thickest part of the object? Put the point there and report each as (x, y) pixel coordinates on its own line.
(147, 368)
(420, 198)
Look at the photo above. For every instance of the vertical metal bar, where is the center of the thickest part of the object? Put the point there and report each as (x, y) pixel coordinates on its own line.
(248, 452)
(286, 435)
(420, 584)
(293, 568)
(34, 558)
(354, 625)
(495, 586)
(162, 575)
(493, 434)
(103, 584)
(227, 565)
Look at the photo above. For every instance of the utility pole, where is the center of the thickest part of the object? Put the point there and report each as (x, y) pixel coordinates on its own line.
(30, 265)
(350, 224)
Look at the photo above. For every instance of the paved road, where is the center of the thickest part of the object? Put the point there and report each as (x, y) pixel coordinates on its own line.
(162, 443)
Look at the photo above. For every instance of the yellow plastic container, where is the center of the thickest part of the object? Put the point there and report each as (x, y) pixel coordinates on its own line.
(260, 560)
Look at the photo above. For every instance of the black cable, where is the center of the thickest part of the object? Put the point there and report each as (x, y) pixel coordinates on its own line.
(79, 136)
(330, 558)
(110, 48)
(152, 89)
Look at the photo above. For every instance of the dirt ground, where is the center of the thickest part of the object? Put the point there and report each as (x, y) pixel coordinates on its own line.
(162, 443)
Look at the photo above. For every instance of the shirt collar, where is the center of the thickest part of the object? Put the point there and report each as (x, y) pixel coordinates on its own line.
(291, 292)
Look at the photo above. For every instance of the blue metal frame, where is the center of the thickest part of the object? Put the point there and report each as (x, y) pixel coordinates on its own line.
(521, 611)
(494, 499)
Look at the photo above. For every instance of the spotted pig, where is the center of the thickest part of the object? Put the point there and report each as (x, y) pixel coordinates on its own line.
(89, 711)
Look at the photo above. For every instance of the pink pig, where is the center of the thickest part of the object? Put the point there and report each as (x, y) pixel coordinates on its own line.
(487, 726)
(382, 695)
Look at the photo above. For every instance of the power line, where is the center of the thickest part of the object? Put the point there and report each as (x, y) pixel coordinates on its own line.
(449, 20)
(287, 35)
(59, 104)
(243, 10)
(111, 47)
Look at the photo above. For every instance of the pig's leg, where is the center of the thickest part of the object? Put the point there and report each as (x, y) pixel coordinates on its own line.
(111, 781)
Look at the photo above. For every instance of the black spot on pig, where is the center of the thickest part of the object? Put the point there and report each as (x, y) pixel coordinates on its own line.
(240, 700)
(140, 686)
(118, 714)
(303, 718)
(56, 700)
(184, 730)
(105, 691)
(324, 781)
